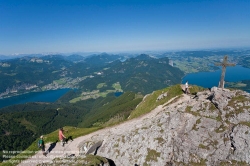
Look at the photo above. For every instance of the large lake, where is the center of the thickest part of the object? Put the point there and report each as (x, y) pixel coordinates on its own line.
(210, 79)
(45, 96)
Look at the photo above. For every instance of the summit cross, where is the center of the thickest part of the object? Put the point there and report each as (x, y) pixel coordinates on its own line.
(224, 64)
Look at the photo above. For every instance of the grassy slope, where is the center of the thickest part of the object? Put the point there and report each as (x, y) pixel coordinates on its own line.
(150, 103)
(122, 107)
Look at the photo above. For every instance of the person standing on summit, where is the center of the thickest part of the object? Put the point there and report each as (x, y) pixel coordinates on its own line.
(61, 136)
(186, 87)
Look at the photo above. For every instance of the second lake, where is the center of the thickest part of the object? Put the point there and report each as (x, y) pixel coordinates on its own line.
(210, 79)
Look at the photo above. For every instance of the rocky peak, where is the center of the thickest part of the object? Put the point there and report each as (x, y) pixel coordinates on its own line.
(209, 128)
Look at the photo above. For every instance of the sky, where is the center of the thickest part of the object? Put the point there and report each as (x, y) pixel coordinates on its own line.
(41, 26)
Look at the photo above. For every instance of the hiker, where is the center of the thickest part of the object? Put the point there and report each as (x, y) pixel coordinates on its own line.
(186, 87)
(41, 145)
(61, 136)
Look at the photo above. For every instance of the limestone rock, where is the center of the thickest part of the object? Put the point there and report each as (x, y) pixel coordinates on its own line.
(211, 128)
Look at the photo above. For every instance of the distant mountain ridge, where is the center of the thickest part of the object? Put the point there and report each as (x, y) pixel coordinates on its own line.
(101, 59)
(140, 74)
(133, 76)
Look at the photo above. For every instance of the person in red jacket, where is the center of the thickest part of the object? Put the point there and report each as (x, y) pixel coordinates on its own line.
(61, 136)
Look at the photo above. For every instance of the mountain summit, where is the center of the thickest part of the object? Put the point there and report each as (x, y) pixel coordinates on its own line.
(210, 127)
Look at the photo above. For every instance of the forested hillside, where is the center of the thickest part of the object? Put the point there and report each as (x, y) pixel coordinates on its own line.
(141, 74)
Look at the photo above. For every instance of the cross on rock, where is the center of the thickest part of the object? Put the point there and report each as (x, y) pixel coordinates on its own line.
(224, 64)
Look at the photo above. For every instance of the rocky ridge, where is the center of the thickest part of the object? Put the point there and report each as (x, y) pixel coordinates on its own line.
(209, 128)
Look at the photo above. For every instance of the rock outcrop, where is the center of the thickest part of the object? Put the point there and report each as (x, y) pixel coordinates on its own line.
(210, 128)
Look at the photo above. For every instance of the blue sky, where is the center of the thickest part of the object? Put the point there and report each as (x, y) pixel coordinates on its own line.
(39, 26)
